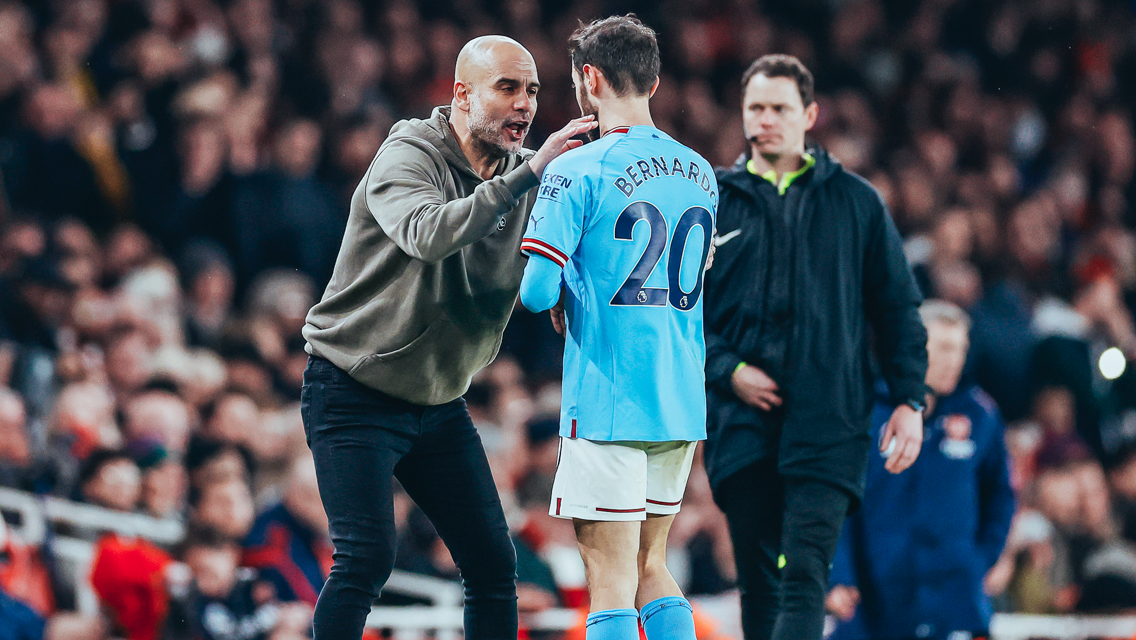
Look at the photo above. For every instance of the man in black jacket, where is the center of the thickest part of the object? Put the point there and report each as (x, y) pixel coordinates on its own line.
(809, 273)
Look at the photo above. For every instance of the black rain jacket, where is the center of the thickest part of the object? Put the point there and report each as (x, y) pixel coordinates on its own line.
(799, 291)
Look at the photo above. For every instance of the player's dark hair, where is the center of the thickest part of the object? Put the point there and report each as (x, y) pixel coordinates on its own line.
(780, 65)
(622, 48)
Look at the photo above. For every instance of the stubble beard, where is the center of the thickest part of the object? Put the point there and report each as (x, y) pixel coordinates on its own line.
(486, 134)
(588, 107)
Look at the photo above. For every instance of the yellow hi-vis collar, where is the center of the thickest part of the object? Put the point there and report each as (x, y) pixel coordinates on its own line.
(786, 179)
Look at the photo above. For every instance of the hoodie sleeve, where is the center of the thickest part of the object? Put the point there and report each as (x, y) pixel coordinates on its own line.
(891, 300)
(406, 196)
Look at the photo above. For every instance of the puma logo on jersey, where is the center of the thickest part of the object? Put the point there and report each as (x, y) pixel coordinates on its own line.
(721, 240)
(535, 221)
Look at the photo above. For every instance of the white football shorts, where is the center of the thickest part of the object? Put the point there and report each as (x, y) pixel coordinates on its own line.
(619, 481)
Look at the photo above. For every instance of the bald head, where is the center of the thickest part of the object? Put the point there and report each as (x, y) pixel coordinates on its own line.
(479, 57)
(495, 87)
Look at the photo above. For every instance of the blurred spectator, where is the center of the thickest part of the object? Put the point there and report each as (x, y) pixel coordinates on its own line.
(224, 602)
(110, 478)
(549, 568)
(1001, 347)
(287, 216)
(911, 562)
(1109, 581)
(24, 574)
(69, 162)
(75, 626)
(128, 575)
(195, 203)
(15, 454)
(421, 550)
(537, 589)
(278, 441)
(289, 545)
(353, 149)
(81, 421)
(278, 303)
(225, 506)
(37, 305)
(128, 248)
(198, 375)
(947, 273)
(164, 481)
(17, 621)
(128, 363)
(1071, 351)
(210, 461)
(702, 539)
(1071, 522)
(207, 275)
(247, 371)
(1028, 574)
(233, 418)
(150, 300)
(161, 416)
(1122, 482)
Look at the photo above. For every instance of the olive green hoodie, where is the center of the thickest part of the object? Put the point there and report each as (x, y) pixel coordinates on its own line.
(429, 269)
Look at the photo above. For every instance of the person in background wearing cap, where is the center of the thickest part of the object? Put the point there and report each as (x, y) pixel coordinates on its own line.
(911, 562)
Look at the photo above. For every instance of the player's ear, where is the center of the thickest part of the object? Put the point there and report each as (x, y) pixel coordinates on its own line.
(591, 76)
(654, 87)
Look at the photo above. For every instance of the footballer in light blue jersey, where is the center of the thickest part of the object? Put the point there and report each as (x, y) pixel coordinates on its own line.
(627, 223)
(621, 231)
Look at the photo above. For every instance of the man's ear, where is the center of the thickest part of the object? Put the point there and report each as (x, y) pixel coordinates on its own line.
(593, 78)
(461, 95)
(654, 88)
(811, 112)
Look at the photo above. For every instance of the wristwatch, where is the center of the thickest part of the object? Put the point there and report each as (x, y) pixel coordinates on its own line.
(915, 404)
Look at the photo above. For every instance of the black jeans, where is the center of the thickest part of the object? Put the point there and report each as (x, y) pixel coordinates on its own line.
(770, 516)
(360, 439)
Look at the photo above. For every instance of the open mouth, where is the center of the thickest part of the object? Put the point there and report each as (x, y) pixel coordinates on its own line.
(516, 130)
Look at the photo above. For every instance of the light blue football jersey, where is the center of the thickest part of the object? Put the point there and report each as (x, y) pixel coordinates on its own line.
(630, 218)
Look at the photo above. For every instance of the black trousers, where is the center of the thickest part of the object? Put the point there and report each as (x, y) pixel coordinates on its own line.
(361, 439)
(771, 516)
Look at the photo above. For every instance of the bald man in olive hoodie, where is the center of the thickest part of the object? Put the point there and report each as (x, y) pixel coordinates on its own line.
(426, 279)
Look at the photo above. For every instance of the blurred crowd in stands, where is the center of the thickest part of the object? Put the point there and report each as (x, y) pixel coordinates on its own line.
(174, 177)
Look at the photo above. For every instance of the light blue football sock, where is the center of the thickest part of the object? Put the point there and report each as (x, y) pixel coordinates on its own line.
(613, 624)
(669, 618)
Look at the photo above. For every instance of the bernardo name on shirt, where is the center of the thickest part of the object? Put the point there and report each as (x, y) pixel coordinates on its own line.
(642, 170)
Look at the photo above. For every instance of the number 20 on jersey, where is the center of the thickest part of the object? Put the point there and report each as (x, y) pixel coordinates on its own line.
(633, 292)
